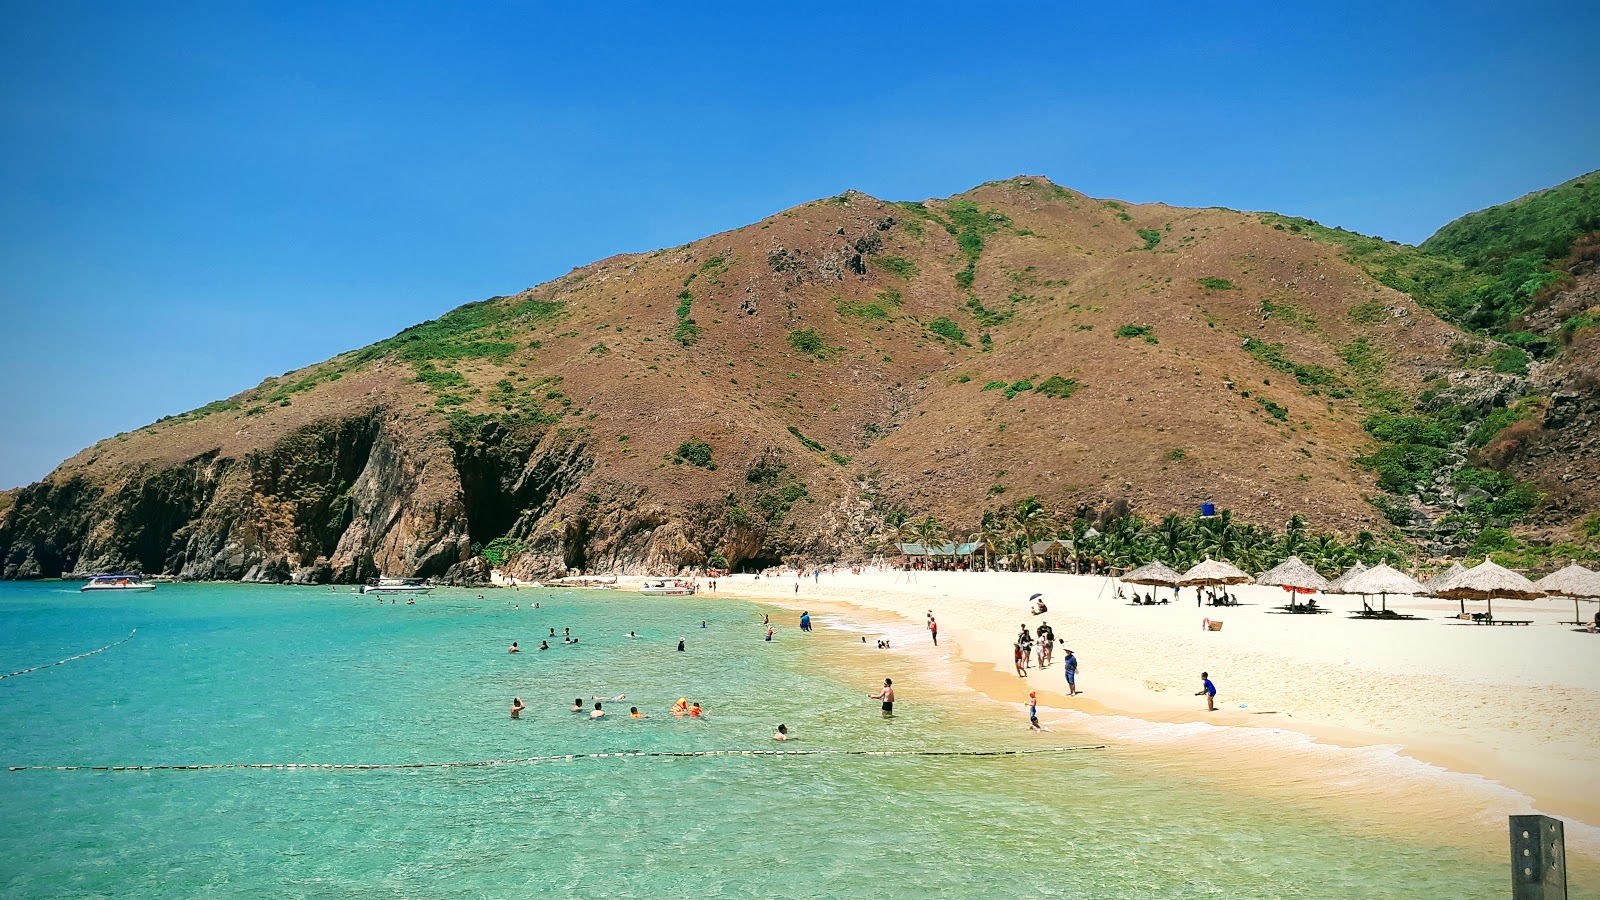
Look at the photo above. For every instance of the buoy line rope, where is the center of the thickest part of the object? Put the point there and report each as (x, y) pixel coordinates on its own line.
(568, 757)
(71, 658)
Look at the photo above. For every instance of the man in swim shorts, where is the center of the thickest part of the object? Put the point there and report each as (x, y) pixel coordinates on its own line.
(1209, 689)
(1070, 663)
(887, 696)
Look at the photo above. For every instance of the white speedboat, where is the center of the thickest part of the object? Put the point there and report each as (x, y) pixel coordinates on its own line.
(118, 583)
(396, 586)
(664, 587)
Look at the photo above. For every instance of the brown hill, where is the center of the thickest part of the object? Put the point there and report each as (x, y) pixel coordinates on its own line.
(773, 390)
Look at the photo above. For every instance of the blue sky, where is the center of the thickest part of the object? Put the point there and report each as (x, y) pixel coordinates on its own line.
(195, 196)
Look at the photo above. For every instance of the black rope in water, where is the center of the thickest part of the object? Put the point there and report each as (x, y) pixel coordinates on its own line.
(71, 658)
(569, 757)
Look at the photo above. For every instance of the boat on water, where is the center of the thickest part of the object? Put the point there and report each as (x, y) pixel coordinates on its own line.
(665, 587)
(132, 582)
(396, 586)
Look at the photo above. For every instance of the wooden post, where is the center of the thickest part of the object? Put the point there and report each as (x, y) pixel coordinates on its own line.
(1538, 858)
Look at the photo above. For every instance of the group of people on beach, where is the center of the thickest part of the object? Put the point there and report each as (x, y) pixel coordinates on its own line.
(1039, 644)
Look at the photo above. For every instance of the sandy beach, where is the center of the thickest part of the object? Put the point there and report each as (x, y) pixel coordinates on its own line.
(1515, 706)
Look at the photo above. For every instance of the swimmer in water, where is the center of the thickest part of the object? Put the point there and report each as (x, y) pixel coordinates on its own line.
(543, 645)
(411, 603)
(517, 707)
(694, 710)
(552, 632)
(633, 713)
(680, 645)
(577, 704)
(681, 707)
(632, 635)
(598, 712)
(480, 596)
(514, 648)
(617, 697)
(783, 733)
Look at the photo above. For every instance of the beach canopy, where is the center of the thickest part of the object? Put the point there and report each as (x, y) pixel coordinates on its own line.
(1292, 573)
(1486, 581)
(1336, 586)
(950, 549)
(1383, 580)
(1437, 582)
(1046, 548)
(1574, 581)
(1153, 573)
(1213, 571)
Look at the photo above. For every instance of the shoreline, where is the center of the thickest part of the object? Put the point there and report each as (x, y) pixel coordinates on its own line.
(1542, 752)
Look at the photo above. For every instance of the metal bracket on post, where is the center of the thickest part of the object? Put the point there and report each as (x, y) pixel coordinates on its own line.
(1538, 858)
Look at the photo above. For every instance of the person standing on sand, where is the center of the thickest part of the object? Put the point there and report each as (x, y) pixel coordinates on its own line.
(1209, 689)
(887, 696)
(1070, 663)
(933, 627)
(1019, 656)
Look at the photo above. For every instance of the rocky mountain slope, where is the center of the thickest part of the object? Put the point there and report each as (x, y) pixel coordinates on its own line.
(777, 389)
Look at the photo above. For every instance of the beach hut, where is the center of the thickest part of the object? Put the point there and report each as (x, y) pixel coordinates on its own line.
(1336, 586)
(1051, 550)
(1438, 581)
(1383, 580)
(1295, 577)
(1211, 572)
(1486, 581)
(1574, 581)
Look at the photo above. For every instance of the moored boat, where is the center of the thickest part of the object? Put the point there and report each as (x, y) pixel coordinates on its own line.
(133, 582)
(665, 587)
(396, 586)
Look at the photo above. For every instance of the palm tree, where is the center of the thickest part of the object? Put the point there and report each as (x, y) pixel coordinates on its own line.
(1033, 523)
(1174, 539)
(929, 533)
(1294, 536)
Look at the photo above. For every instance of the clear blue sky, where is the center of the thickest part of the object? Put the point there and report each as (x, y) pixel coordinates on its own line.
(195, 196)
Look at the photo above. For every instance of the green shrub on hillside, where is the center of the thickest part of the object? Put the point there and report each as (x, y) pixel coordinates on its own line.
(896, 265)
(1151, 237)
(948, 330)
(695, 452)
(1212, 283)
(1058, 387)
(806, 340)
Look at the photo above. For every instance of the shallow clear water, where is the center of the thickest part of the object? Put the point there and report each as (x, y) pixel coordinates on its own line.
(234, 674)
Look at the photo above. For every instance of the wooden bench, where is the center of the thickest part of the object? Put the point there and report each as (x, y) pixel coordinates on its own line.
(1481, 619)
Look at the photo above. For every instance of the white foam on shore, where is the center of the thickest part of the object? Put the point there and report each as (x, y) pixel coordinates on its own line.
(1379, 776)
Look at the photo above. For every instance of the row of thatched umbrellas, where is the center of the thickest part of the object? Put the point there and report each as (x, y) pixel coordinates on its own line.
(1487, 581)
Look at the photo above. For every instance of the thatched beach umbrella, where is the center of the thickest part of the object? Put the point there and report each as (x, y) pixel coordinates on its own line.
(1486, 581)
(1574, 581)
(1292, 573)
(1437, 582)
(1212, 572)
(1153, 573)
(1336, 586)
(1383, 580)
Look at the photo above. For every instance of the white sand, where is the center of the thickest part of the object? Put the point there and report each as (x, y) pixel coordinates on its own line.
(1518, 705)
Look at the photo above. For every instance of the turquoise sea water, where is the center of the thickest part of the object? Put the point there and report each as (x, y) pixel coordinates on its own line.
(247, 674)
